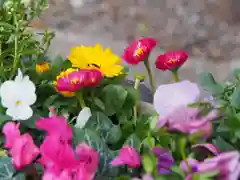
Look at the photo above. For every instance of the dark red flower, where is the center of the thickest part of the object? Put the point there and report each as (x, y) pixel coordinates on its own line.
(171, 60)
(139, 50)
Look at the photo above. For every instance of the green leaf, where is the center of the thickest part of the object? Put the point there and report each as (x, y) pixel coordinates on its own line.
(98, 102)
(133, 141)
(7, 170)
(101, 123)
(235, 100)
(208, 176)
(114, 97)
(222, 144)
(30, 123)
(236, 73)
(7, 25)
(178, 170)
(4, 118)
(209, 84)
(93, 140)
(133, 96)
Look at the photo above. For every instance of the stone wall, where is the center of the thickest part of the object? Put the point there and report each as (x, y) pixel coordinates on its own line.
(208, 28)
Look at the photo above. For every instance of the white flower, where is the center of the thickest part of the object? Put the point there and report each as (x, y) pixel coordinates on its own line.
(170, 96)
(17, 96)
(83, 117)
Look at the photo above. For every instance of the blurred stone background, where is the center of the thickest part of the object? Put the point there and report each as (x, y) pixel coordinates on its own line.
(209, 30)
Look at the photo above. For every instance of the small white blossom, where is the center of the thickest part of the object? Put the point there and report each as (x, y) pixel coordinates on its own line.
(17, 96)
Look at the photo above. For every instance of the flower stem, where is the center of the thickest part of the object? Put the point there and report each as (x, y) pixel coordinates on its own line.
(16, 58)
(136, 86)
(175, 76)
(147, 65)
(81, 100)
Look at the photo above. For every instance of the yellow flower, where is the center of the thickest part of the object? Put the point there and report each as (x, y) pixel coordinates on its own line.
(42, 67)
(85, 57)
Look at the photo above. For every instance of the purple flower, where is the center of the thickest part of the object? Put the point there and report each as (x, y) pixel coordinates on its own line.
(226, 164)
(165, 160)
(187, 120)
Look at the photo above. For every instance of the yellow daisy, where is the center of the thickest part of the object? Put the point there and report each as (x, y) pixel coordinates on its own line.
(96, 57)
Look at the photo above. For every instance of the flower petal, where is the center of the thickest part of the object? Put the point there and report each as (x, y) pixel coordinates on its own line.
(20, 112)
(83, 117)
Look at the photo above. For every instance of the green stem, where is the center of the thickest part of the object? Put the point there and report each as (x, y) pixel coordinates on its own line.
(16, 58)
(81, 100)
(147, 66)
(175, 76)
(136, 86)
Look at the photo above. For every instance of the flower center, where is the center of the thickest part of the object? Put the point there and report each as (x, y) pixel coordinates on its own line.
(18, 102)
(98, 66)
(139, 52)
(172, 61)
(75, 81)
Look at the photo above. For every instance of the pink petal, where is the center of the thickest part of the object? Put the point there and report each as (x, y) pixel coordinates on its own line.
(210, 147)
(117, 162)
(11, 132)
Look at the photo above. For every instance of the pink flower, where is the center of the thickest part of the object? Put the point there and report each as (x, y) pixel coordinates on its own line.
(11, 132)
(56, 126)
(88, 162)
(187, 120)
(139, 50)
(21, 148)
(50, 175)
(227, 164)
(57, 154)
(23, 151)
(208, 148)
(128, 156)
(168, 97)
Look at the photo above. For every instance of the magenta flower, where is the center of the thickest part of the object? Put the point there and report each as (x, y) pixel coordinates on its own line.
(51, 175)
(165, 160)
(71, 80)
(56, 126)
(128, 156)
(226, 164)
(187, 120)
(168, 97)
(21, 147)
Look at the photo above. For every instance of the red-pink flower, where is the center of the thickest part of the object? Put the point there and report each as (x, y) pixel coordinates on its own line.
(11, 132)
(128, 156)
(171, 60)
(88, 162)
(57, 126)
(51, 175)
(139, 50)
(71, 80)
(23, 151)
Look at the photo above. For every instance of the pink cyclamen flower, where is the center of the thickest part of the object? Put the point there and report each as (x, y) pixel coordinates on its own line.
(11, 132)
(139, 50)
(87, 162)
(71, 80)
(23, 151)
(57, 126)
(51, 175)
(168, 97)
(128, 156)
(226, 164)
(188, 121)
(57, 154)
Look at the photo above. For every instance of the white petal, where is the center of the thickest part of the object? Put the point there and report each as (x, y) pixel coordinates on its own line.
(8, 94)
(170, 96)
(19, 77)
(29, 96)
(20, 112)
(83, 117)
